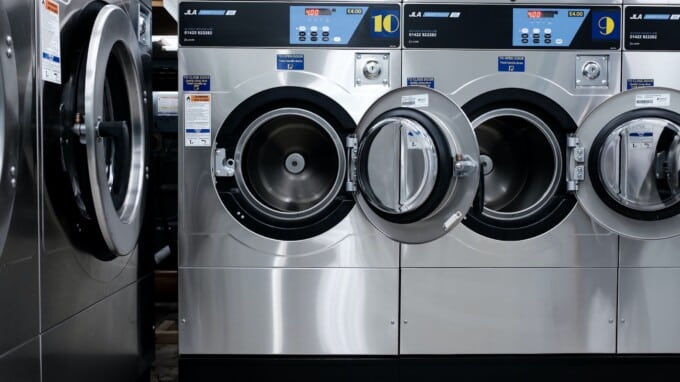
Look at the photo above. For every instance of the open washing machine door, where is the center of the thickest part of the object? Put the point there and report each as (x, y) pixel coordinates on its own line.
(9, 127)
(624, 164)
(101, 155)
(414, 163)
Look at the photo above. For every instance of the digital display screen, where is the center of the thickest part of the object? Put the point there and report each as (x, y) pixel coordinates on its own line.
(536, 14)
(318, 12)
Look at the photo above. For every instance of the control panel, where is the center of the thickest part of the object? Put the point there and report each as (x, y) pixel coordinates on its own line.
(466, 26)
(652, 28)
(278, 24)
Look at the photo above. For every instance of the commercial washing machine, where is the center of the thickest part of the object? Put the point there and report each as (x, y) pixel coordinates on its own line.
(531, 272)
(649, 314)
(92, 112)
(19, 297)
(302, 167)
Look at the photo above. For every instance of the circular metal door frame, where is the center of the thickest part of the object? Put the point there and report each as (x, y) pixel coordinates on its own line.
(112, 34)
(253, 128)
(9, 126)
(460, 135)
(588, 197)
(554, 144)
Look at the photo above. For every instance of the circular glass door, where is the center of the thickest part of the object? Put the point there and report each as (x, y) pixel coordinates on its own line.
(633, 164)
(417, 164)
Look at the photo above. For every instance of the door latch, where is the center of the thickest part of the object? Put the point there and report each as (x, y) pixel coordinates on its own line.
(576, 157)
(464, 165)
(223, 167)
(352, 148)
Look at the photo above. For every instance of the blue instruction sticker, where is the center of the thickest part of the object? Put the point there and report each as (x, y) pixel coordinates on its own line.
(196, 83)
(290, 61)
(427, 82)
(635, 83)
(511, 63)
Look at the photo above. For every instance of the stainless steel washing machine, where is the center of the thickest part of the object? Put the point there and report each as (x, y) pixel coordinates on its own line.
(531, 272)
(649, 272)
(92, 112)
(302, 167)
(19, 297)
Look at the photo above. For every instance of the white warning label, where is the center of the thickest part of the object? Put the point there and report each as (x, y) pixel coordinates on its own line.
(50, 49)
(416, 100)
(415, 140)
(197, 120)
(653, 100)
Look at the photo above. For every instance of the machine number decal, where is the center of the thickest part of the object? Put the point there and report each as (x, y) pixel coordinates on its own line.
(653, 100)
(50, 48)
(511, 64)
(427, 82)
(290, 62)
(197, 120)
(635, 83)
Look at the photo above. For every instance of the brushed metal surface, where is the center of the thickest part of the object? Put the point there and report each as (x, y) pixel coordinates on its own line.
(508, 311)
(649, 310)
(72, 280)
(19, 295)
(576, 242)
(529, 2)
(208, 234)
(99, 344)
(649, 253)
(21, 364)
(651, 65)
(288, 311)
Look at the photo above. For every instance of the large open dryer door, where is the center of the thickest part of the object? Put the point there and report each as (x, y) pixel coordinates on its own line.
(414, 162)
(9, 127)
(625, 164)
(104, 151)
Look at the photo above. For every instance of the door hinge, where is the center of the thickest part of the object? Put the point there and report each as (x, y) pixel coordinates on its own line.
(576, 157)
(352, 147)
(223, 167)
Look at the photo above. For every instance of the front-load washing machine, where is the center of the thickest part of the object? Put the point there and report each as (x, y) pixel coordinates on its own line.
(303, 164)
(649, 273)
(530, 272)
(19, 296)
(92, 112)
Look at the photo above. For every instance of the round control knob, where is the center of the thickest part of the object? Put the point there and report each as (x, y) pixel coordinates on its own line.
(372, 69)
(591, 70)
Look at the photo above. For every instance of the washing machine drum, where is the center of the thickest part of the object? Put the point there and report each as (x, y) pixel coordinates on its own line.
(95, 150)
(293, 163)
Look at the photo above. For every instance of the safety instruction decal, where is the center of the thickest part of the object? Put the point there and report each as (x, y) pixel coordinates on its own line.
(197, 120)
(50, 49)
(415, 140)
(196, 83)
(641, 140)
(635, 83)
(427, 82)
(416, 100)
(653, 100)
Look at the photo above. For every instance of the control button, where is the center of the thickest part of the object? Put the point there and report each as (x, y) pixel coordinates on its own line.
(302, 33)
(547, 31)
(313, 38)
(325, 28)
(537, 31)
(314, 34)
(325, 34)
(537, 41)
(314, 28)
(548, 35)
(525, 35)
(302, 28)
(337, 39)
(537, 35)
(302, 39)
(547, 41)
(525, 41)
(325, 39)
(525, 30)
(559, 41)
(591, 70)
(372, 69)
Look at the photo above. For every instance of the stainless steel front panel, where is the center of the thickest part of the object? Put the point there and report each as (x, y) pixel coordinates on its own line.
(576, 242)
(209, 235)
(21, 364)
(525, 2)
(508, 311)
(652, 65)
(288, 311)
(649, 253)
(100, 344)
(19, 297)
(649, 310)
